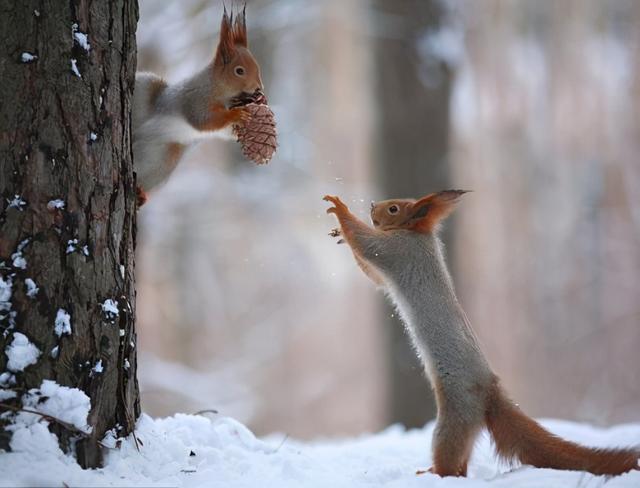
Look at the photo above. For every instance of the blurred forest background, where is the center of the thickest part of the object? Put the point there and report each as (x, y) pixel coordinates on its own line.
(246, 306)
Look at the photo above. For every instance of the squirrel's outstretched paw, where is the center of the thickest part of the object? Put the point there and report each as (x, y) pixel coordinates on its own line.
(339, 206)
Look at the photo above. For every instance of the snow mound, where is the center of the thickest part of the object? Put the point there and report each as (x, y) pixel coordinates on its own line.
(70, 405)
(21, 353)
(195, 451)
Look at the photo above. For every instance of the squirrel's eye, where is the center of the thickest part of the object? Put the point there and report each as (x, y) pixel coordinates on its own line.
(393, 209)
(239, 71)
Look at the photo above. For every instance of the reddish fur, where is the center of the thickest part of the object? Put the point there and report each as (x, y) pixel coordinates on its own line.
(220, 117)
(517, 436)
(232, 34)
(174, 153)
(141, 196)
(156, 87)
(433, 209)
(367, 269)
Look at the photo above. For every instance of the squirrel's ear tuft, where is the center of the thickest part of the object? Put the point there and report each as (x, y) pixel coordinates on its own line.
(240, 28)
(429, 211)
(224, 53)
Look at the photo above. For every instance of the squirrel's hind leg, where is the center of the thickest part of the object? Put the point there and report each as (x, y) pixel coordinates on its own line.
(453, 441)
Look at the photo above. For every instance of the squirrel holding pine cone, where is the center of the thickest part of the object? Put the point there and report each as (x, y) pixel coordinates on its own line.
(227, 93)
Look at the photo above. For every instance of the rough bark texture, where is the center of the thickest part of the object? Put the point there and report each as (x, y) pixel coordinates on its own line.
(412, 158)
(65, 134)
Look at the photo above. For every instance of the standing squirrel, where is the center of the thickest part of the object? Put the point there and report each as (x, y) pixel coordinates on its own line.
(168, 118)
(403, 254)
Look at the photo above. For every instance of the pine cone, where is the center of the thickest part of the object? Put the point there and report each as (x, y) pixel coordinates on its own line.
(258, 135)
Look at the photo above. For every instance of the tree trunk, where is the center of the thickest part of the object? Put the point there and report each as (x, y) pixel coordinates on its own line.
(413, 88)
(68, 212)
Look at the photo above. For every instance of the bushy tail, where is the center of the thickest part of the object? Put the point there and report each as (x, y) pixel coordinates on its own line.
(517, 436)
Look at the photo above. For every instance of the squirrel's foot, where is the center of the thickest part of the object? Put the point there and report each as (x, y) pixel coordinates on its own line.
(462, 472)
(141, 196)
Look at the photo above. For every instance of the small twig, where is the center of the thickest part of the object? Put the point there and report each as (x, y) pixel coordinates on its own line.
(135, 440)
(208, 410)
(286, 436)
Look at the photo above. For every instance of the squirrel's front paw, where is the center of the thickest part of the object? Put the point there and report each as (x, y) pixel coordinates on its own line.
(239, 115)
(338, 207)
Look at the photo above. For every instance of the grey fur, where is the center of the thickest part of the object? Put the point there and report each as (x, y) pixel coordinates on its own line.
(417, 280)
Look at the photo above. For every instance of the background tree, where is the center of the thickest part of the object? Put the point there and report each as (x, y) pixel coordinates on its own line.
(67, 220)
(413, 90)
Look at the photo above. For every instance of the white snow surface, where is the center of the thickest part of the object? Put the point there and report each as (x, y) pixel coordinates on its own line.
(56, 204)
(74, 68)
(27, 57)
(110, 307)
(70, 405)
(98, 368)
(16, 202)
(62, 325)
(227, 454)
(5, 293)
(81, 38)
(32, 288)
(6, 394)
(18, 260)
(21, 353)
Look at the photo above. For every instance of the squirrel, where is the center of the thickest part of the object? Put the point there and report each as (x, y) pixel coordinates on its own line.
(166, 119)
(403, 254)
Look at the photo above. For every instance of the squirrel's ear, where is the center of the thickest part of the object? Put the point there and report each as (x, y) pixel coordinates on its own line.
(224, 53)
(240, 28)
(429, 211)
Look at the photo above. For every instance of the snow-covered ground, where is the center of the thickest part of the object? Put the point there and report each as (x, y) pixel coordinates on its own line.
(198, 451)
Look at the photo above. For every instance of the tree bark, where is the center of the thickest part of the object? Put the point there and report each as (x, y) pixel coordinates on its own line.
(68, 212)
(413, 88)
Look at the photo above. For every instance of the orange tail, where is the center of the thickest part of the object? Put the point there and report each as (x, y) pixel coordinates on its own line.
(517, 436)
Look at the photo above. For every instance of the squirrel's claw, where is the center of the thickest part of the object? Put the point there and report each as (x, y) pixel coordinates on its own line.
(240, 115)
(333, 199)
(339, 206)
(335, 232)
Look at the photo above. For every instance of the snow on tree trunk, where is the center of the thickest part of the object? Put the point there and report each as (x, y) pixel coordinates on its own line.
(67, 212)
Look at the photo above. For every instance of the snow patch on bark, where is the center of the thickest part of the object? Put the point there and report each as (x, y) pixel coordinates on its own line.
(21, 353)
(71, 405)
(32, 289)
(81, 38)
(74, 68)
(62, 323)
